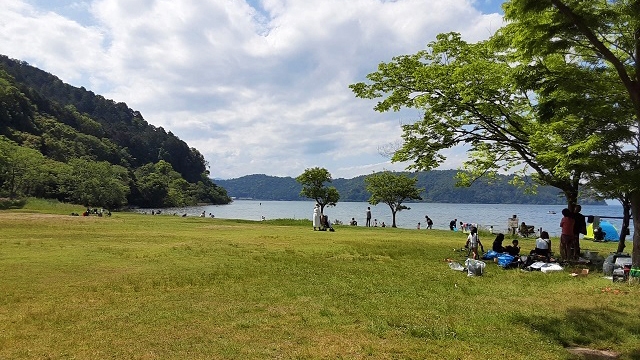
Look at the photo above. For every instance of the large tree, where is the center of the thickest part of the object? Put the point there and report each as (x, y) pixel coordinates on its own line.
(469, 97)
(21, 169)
(599, 37)
(313, 187)
(392, 189)
(98, 184)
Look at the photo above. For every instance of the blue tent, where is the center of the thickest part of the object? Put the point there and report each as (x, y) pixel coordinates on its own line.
(610, 233)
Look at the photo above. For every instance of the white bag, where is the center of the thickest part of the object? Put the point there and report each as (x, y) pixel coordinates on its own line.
(474, 267)
(550, 267)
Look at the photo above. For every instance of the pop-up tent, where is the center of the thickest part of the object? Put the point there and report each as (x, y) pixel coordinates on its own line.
(610, 232)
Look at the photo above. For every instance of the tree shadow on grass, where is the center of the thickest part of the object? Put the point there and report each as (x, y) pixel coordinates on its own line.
(580, 327)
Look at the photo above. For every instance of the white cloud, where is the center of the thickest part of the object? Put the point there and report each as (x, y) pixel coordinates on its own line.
(256, 86)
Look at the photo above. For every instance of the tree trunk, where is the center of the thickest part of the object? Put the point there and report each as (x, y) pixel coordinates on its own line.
(393, 216)
(572, 198)
(12, 185)
(626, 217)
(635, 212)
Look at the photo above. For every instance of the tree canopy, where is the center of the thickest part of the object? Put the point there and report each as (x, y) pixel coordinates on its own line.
(555, 92)
(313, 187)
(599, 43)
(469, 96)
(392, 189)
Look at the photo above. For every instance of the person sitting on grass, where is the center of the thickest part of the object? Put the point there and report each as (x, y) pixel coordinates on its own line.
(513, 249)
(326, 224)
(525, 230)
(473, 242)
(543, 245)
(497, 243)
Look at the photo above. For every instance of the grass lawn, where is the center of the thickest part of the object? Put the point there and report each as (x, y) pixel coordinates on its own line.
(137, 286)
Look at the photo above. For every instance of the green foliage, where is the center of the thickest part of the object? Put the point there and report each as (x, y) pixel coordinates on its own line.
(265, 187)
(97, 184)
(469, 97)
(159, 185)
(312, 181)
(207, 191)
(20, 169)
(6, 203)
(392, 189)
(15, 108)
(54, 124)
(581, 59)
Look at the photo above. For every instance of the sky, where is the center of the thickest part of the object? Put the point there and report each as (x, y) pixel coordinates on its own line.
(257, 86)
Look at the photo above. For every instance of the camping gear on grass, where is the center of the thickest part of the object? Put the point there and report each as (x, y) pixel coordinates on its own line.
(456, 266)
(490, 255)
(546, 268)
(615, 261)
(505, 260)
(474, 267)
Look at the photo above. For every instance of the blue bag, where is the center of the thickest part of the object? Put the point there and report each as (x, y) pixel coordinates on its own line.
(490, 255)
(504, 260)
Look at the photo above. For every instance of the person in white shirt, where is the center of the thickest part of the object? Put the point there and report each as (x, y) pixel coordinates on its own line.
(543, 244)
(473, 242)
(316, 217)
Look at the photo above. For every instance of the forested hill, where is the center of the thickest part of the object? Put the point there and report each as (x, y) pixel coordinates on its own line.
(74, 127)
(439, 187)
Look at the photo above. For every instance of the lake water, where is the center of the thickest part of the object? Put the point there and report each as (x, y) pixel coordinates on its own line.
(485, 215)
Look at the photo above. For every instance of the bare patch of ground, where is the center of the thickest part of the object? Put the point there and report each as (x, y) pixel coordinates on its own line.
(38, 216)
(593, 354)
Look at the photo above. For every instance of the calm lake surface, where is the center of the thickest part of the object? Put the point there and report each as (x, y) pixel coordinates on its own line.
(485, 215)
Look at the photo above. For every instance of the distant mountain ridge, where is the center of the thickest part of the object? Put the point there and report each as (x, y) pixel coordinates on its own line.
(439, 187)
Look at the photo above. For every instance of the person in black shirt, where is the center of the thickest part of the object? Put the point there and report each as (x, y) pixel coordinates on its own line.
(513, 249)
(579, 227)
(497, 244)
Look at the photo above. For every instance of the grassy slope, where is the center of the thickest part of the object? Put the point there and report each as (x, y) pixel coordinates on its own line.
(141, 286)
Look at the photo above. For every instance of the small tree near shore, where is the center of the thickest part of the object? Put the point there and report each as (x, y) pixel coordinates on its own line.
(313, 187)
(392, 189)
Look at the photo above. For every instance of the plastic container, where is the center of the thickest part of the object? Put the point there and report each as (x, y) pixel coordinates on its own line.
(618, 275)
(615, 261)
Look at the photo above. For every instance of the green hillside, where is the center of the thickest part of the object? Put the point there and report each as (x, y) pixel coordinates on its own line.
(63, 142)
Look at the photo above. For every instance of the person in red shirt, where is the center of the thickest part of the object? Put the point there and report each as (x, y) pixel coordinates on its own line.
(566, 238)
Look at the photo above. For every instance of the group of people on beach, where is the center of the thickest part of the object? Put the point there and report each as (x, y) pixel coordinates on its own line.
(542, 248)
(473, 242)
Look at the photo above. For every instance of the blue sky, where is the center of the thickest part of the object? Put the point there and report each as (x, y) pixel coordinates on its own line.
(257, 86)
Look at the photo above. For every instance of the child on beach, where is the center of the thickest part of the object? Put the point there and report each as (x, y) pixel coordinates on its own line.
(473, 241)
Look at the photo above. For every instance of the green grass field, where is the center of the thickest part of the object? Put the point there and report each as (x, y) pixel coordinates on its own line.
(137, 286)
